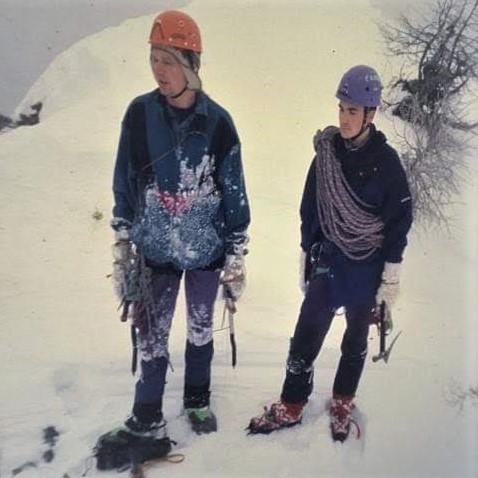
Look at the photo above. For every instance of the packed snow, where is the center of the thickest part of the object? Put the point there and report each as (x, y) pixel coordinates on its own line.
(66, 356)
(34, 32)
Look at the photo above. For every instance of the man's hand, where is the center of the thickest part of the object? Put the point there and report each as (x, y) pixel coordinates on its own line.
(234, 276)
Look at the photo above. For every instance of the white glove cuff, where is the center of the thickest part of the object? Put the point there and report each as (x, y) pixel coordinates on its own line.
(121, 252)
(234, 261)
(122, 234)
(391, 272)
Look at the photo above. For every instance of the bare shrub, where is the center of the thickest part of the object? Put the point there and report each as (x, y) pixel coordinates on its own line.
(439, 52)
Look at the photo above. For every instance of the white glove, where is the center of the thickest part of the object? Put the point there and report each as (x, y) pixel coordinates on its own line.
(390, 286)
(122, 250)
(388, 291)
(302, 283)
(234, 276)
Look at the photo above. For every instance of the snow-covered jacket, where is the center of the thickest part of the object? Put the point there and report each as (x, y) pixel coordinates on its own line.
(377, 177)
(180, 183)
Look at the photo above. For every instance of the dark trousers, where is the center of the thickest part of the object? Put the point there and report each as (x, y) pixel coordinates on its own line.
(314, 321)
(201, 288)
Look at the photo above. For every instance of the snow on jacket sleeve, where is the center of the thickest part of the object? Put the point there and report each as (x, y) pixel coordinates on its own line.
(123, 210)
(396, 212)
(310, 227)
(232, 185)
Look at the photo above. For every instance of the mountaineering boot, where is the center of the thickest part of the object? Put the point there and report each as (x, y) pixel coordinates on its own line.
(196, 405)
(280, 415)
(202, 419)
(155, 430)
(340, 417)
(133, 443)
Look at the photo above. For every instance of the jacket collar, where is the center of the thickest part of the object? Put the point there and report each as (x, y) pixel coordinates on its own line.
(197, 121)
(200, 106)
(374, 142)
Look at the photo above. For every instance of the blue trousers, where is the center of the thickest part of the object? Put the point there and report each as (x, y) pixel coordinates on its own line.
(201, 287)
(314, 321)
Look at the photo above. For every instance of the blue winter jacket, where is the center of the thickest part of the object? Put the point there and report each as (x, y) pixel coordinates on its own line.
(179, 183)
(376, 175)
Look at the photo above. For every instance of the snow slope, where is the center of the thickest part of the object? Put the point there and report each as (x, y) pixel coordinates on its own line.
(34, 32)
(65, 354)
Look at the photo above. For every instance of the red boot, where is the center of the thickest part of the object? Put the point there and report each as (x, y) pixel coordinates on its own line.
(340, 417)
(279, 415)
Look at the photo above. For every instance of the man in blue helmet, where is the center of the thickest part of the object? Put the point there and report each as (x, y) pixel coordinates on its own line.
(355, 215)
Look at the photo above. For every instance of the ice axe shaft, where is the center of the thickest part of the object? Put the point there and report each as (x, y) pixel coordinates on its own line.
(384, 353)
(231, 309)
(381, 329)
(124, 306)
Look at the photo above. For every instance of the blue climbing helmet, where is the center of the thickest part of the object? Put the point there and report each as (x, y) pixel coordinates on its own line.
(361, 86)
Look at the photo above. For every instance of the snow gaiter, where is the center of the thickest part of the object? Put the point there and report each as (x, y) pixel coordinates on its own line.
(197, 378)
(148, 398)
(299, 378)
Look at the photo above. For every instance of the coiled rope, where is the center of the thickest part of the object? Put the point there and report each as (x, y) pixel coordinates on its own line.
(342, 214)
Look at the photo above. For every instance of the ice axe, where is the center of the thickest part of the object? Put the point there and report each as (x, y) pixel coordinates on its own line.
(125, 307)
(230, 308)
(384, 352)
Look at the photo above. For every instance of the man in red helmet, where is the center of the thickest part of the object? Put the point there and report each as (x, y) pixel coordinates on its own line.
(175, 35)
(355, 215)
(180, 210)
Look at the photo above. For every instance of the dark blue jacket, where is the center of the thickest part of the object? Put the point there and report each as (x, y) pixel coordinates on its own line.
(376, 175)
(180, 183)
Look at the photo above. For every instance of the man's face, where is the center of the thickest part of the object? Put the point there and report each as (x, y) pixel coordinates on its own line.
(167, 72)
(351, 119)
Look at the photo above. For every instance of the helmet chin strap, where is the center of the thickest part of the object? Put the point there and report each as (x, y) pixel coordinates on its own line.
(364, 126)
(362, 129)
(177, 95)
